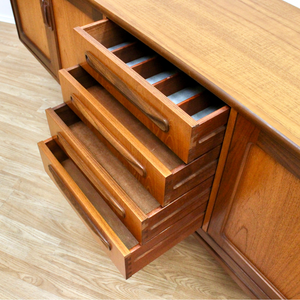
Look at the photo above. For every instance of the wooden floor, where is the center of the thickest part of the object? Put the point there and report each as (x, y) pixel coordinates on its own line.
(45, 250)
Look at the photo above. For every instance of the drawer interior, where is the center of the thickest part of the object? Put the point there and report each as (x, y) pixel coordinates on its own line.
(170, 160)
(92, 194)
(157, 219)
(119, 244)
(162, 166)
(132, 187)
(182, 90)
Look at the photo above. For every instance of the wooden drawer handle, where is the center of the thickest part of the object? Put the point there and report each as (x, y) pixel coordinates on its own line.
(109, 137)
(148, 110)
(46, 12)
(93, 178)
(78, 207)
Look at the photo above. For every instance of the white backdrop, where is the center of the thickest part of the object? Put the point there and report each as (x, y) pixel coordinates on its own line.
(6, 14)
(294, 2)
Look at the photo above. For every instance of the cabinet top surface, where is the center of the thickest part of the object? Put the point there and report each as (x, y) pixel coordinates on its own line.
(245, 51)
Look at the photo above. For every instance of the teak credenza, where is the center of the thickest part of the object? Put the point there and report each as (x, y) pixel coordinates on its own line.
(177, 117)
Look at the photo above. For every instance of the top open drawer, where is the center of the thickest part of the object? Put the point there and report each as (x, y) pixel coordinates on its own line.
(172, 105)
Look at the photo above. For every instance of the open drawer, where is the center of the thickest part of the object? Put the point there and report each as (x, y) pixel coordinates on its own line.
(124, 194)
(160, 171)
(173, 106)
(121, 246)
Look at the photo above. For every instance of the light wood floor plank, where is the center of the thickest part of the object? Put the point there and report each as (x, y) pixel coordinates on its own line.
(7, 183)
(17, 288)
(45, 250)
(46, 280)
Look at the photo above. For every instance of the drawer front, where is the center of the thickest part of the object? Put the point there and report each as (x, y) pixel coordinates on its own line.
(134, 206)
(126, 209)
(173, 106)
(114, 238)
(160, 171)
(109, 241)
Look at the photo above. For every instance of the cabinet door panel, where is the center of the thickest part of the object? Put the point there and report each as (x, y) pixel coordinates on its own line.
(257, 212)
(36, 29)
(31, 18)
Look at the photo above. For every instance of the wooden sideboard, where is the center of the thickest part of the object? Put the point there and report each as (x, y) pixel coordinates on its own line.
(245, 53)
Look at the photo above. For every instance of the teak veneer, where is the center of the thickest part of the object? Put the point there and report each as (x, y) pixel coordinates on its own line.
(246, 53)
(152, 163)
(159, 91)
(113, 236)
(181, 123)
(131, 202)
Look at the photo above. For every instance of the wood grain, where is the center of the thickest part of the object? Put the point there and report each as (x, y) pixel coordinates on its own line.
(228, 263)
(67, 16)
(153, 114)
(45, 250)
(255, 218)
(106, 172)
(41, 38)
(139, 168)
(164, 170)
(246, 52)
(220, 168)
(165, 119)
(113, 236)
(28, 9)
(276, 228)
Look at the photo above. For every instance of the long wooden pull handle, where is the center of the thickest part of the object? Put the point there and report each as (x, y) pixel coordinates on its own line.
(43, 8)
(46, 12)
(109, 137)
(77, 206)
(134, 98)
(110, 199)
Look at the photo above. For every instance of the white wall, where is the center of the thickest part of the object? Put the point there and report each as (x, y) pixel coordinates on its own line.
(6, 14)
(294, 2)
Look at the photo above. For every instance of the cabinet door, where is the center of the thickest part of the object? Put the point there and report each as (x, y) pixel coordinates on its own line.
(256, 219)
(68, 15)
(36, 29)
